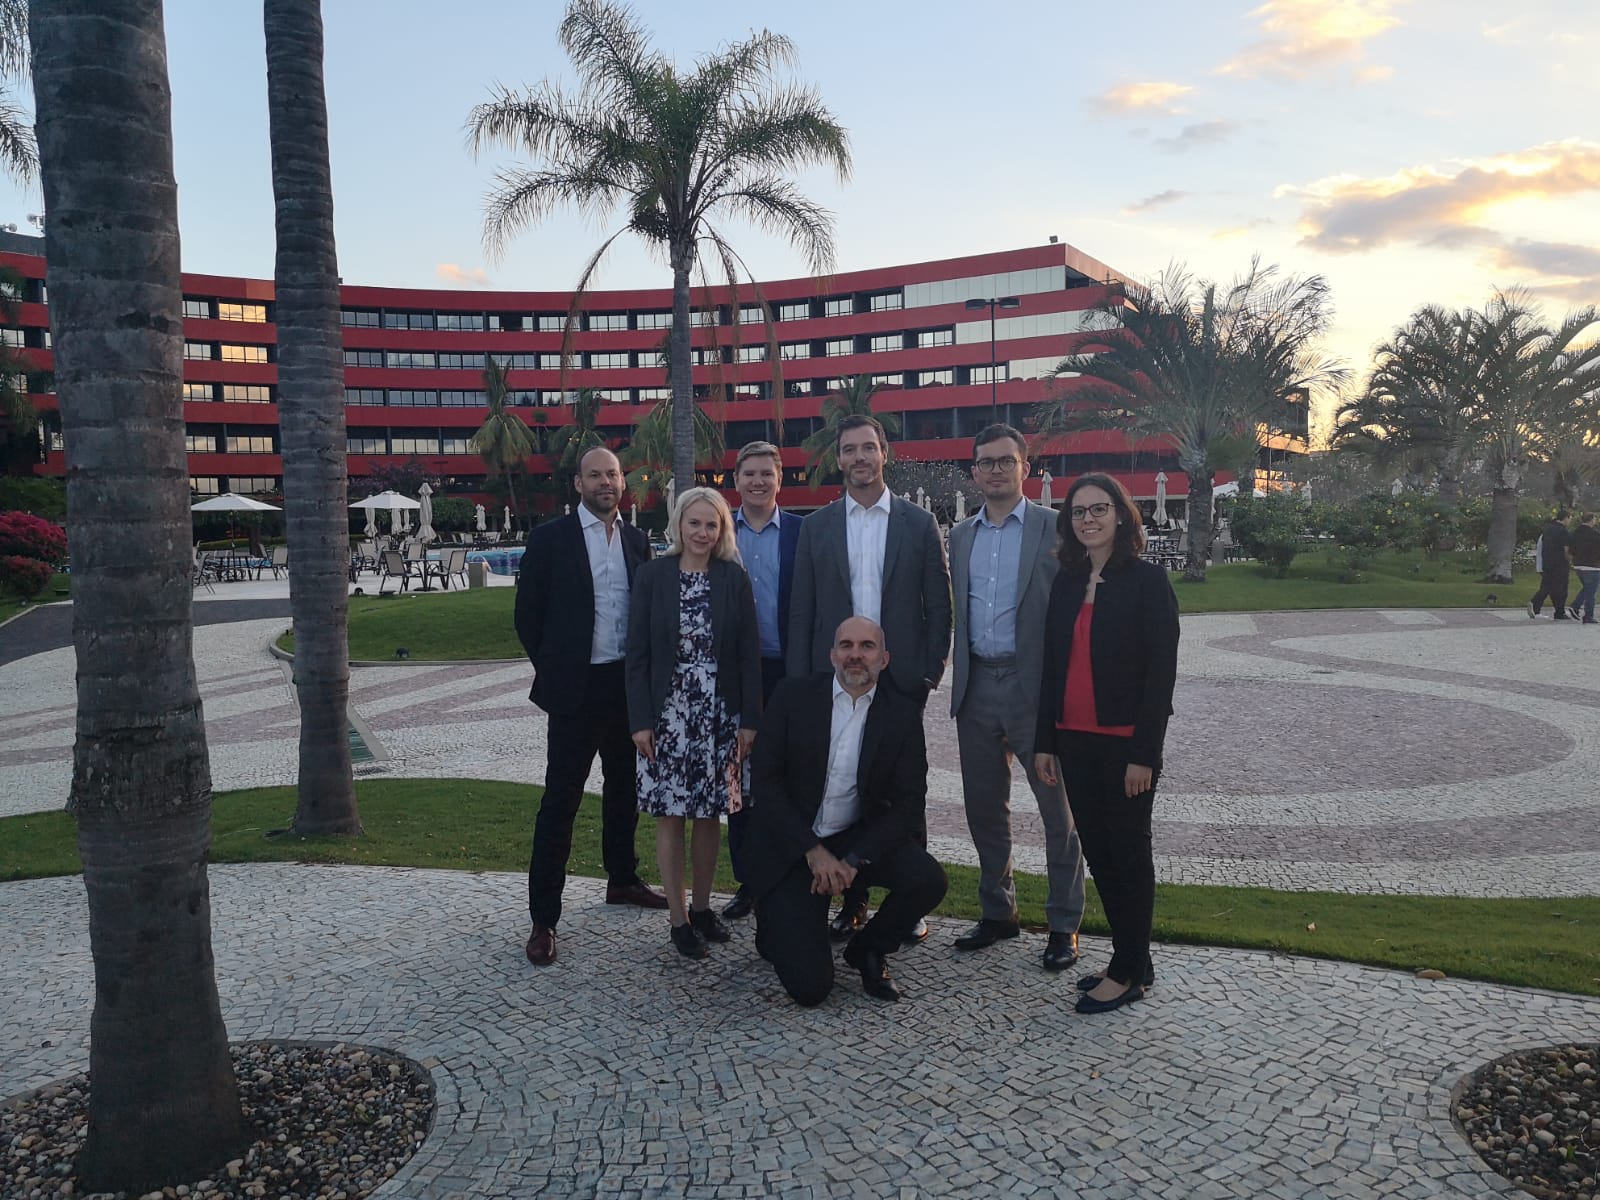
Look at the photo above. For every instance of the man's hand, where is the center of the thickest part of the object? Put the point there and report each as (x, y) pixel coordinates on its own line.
(829, 876)
(1137, 780)
(1044, 766)
(645, 741)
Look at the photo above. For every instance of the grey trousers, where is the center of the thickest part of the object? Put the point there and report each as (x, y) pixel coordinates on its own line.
(995, 722)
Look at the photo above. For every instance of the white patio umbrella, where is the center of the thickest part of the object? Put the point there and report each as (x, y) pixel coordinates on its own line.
(425, 517)
(232, 502)
(961, 506)
(1045, 497)
(506, 521)
(1160, 515)
(481, 517)
(390, 501)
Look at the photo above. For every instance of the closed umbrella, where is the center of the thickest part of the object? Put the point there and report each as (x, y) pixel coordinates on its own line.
(481, 517)
(506, 524)
(392, 502)
(1160, 515)
(425, 516)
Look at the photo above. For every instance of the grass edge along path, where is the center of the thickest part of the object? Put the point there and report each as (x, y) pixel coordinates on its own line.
(478, 825)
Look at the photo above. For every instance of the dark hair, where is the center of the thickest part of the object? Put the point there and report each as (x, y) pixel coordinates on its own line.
(860, 421)
(993, 433)
(1129, 542)
(1561, 514)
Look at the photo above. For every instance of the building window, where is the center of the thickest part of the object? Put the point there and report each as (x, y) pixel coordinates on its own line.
(464, 322)
(250, 443)
(839, 347)
(797, 387)
(609, 360)
(986, 374)
(838, 308)
(359, 318)
(201, 351)
(461, 362)
(752, 354)
(888, 341)
(750, 315)
(198, 310)
(935, 337)
(199, 393)
(654, 395)
(613, 395)
(411, 444)
(654, 320)
(248, 485)
(244, 354)
(16, 338)
(205, 485)
(366, 445)
(422, 359)
(552, 362)
(462, 399)
(453, 444)
(607, 322)
(550, 324)
(363, 358)
(795, 350)
(703, 316)
(372, 397)
(886, 301)
(246, 393)
(413, 398)
(795, 310)
(228, 310)
(751, 391)
(200, 443)
(408, 320)
(936, 378)
(895, 380)
(704, 356)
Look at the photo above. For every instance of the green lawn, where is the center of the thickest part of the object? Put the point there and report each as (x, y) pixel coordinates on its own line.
(457, 624)
(473, 825)
(59, 588)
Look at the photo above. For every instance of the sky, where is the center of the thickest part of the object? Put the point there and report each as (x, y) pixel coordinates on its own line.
(1410, 151)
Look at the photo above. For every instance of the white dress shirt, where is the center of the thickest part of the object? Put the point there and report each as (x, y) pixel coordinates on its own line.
(841, 804)
(609, 571)
(866, 529)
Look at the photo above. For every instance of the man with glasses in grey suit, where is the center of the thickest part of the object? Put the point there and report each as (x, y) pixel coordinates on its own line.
(1002, 563)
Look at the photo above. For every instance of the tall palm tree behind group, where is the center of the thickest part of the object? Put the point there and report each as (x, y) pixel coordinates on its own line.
(504, 440)
(853, 400)
(674, 149)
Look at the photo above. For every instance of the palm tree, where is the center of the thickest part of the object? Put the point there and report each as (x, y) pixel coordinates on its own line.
(822, 459)
(648, 456)
(163, 1102)
(19, 153)
(1198, 370)
(673, 148)
(569, 443)
(311, 414)
(504, 440)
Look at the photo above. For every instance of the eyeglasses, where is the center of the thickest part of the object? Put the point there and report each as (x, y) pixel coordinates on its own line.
(1002, 465)
(1080, 511)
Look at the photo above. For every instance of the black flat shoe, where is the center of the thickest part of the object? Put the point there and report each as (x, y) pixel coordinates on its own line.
(1088, 1004)
(709, 926)
(986, 933)
(688, 941)
(1088, 983)
(875, 979)
(1060, 951)
(847, 920)
(740, 906)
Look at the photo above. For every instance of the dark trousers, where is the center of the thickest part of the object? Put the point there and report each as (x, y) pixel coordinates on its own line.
(856, 893)
(771, 675)
(1115, 831)
(1553, 587)
(599, 727)
(792, 924)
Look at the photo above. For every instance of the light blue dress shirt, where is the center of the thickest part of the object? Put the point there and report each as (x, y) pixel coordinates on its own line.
(992, 583)
(760, 550)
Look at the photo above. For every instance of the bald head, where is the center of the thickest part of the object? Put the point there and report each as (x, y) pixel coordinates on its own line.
(599, 482)
(858, 654)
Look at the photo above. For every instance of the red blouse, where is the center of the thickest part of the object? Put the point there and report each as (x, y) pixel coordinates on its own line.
(1077, 699)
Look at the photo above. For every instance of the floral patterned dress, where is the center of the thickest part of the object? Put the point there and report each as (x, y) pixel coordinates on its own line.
(696, 771)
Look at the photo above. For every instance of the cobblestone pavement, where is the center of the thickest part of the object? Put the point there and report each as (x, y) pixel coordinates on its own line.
(1444, 752)
(626, 1071)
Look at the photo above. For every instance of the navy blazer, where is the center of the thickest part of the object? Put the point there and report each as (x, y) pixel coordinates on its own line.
(555, 608)
(788, 541)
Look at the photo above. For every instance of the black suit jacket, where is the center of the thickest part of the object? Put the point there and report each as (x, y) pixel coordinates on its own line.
(790, 772)
(555, 608)
(653, 641)
(1133, 652)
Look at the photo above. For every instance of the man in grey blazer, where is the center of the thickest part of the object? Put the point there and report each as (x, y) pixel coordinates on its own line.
(871, 554)
(1003, 562)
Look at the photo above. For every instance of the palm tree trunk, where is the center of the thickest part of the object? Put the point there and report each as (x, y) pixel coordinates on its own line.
(682, 375)
(1450, 498)
(1502, 534)
(163, 1102)
(1200, 531)
(311, 414)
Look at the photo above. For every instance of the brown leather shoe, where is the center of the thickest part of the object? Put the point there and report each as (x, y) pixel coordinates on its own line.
(542, 946)
(636, 893)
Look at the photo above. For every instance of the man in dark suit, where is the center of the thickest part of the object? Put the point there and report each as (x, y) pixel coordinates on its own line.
(871, 554)
(767, 539)
(572, 619)
(842, 774)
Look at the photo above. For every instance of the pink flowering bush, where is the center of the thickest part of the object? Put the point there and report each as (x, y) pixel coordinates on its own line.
(23, 535)
(24, 576)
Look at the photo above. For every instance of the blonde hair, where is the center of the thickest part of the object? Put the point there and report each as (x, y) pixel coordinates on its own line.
(727, 547)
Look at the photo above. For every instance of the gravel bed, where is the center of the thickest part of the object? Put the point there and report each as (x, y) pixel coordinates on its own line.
(1535, 1118)
(332, 1121)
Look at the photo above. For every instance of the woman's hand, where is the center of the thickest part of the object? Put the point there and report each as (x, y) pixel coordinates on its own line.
(1044, 766)
(1137, 779)
(747, 739)
(645, 742)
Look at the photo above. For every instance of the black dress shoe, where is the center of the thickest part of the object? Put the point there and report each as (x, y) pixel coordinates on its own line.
(637, 893)
(1088, 983)
(709, 926)
(986, 933)
(1060, 951)
(847, 920)
(875, 979)
(1088, 1004)
(688, 941)
(918, 934)
(739, 907)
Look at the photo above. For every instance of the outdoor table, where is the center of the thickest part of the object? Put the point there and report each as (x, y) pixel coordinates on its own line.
(236, 567)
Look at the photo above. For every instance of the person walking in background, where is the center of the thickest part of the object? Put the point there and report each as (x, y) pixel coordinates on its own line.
(871, 554)
(1111, 662)
(572, 619)
(1002, 563)
(694, 699)
(767, 539)
(1585, 549)
(1554, 567)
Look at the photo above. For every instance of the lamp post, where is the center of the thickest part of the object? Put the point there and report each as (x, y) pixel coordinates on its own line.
(992, 303)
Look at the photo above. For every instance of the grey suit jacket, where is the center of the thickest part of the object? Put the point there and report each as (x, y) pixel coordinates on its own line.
(1036, 571)
(916, 594)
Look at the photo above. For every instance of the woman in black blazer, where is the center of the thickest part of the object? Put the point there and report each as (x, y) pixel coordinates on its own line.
(1111, 660)
(694, 699)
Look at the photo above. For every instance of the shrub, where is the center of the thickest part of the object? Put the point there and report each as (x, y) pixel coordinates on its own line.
(39, 496)
(1271, 528)
(25, 536)
(24, 576)
(452, 514)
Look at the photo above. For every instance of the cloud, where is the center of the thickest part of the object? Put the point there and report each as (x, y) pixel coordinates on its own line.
(1170, 196)
(1419, 205)
(1564, 260)
(1374, 74)
(473, 277)
(1129, 98)
(1239, 231)
(1191, 137)
(1303, 36)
